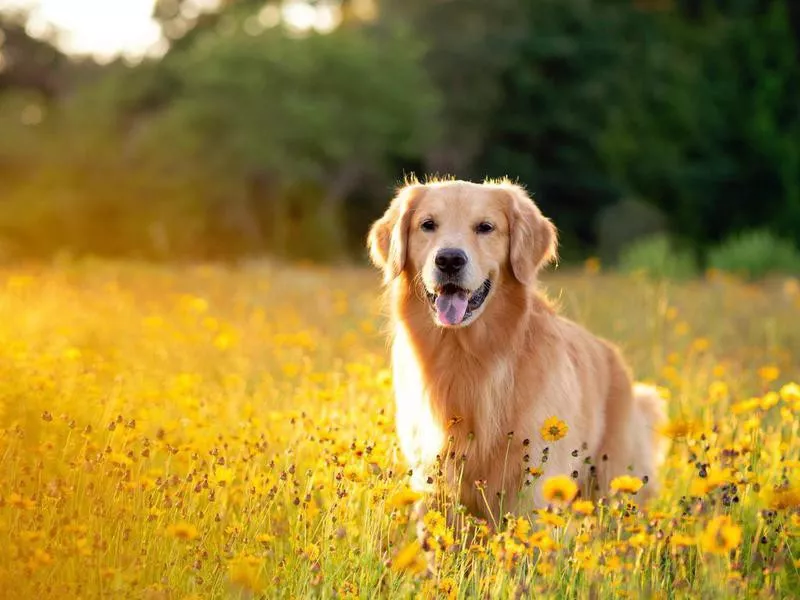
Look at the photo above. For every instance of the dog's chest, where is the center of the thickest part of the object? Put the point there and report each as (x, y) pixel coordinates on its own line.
(449, 403)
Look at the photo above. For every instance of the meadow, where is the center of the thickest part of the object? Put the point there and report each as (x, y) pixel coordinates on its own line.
(200, 431)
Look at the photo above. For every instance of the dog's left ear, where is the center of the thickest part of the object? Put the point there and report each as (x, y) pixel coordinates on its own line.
(388, 237)
(534, 239)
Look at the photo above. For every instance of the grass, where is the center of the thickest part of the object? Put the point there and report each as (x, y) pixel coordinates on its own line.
(202, 432)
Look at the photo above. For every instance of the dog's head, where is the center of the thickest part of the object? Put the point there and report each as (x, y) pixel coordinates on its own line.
(460, 242)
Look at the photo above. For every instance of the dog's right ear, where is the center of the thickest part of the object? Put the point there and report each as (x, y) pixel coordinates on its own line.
(388, 237)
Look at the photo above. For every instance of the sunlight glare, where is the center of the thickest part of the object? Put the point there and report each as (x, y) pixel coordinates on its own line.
(106, 29)
(100, 28)
(301, 17)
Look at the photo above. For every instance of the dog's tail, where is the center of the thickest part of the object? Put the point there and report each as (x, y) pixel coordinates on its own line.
(648, 418)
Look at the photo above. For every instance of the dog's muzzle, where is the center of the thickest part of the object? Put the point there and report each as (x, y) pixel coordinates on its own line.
(453, 304)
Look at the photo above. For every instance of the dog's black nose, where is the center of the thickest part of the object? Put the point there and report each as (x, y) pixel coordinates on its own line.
(450, 260)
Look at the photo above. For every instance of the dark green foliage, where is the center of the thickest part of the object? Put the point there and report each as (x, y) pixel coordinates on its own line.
(584, 116)
(742, 165)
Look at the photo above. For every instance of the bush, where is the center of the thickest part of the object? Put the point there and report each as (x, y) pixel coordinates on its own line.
(657, 256)
(623, 223)
(755, 254)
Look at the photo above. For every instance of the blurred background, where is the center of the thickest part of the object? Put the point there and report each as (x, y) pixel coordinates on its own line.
(221, 129)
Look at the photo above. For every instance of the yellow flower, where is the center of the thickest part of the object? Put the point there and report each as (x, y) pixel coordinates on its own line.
(586, 560)
(410, 559)
(559, 489)
(477, 551)
(554, 429)
(680, 428)
(534, 472)
(42, 558)
(795, 520)
(769, 400)
(583, 538)
(699, 487)
(265, 539)
(311, 552)
(583, 507)
(223, 476)
(626, 484)
(592, 265)
(454, 421)
(679, 540)
(701, 344)
(745, 406)
(664, 392)
(224, 340)
(353, 473)
(551, 519)
(769, 373)
(717, 391)
(752, 423)
(713, 479)
(790, 393)
(782, 498)
(31, 536)
(682, 328)
(291, 370)
(403, 498)
(435, 523)
(721, 535)
(245, 571)
(545, 568)
(448, 588)
(18, 501)
(542, 540)
(612, 564)
(347, 589)
(521, 527)
(182, 531)
(72, 353)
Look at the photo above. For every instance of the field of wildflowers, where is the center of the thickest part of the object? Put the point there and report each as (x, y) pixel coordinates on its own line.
(210, 432)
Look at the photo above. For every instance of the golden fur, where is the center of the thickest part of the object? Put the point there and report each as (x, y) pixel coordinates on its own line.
(471, 399)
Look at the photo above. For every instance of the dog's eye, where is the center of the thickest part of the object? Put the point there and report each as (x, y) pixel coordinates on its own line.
(428, 225)
(484, 227)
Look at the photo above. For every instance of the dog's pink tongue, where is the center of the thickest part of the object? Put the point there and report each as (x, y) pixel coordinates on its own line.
(451, 308)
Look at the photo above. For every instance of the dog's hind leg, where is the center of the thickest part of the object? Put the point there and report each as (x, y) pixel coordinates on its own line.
(632, 445)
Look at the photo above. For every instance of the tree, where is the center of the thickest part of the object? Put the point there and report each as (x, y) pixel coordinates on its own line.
(470, 43)
(26, 62)
(745, 156)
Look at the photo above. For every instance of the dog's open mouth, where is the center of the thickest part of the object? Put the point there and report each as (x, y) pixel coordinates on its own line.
(454, 305)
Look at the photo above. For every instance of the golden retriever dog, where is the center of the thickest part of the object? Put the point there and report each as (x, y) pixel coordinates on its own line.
(481, 360)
